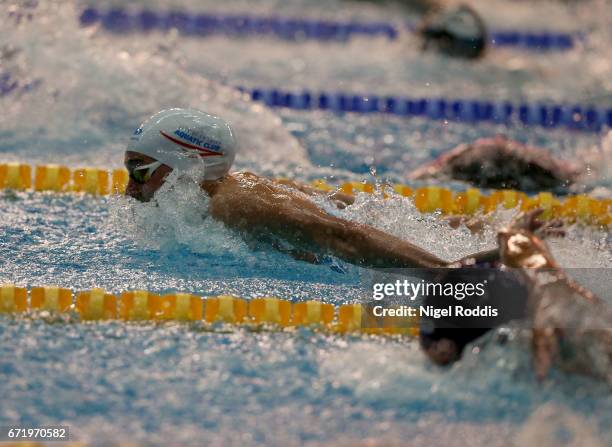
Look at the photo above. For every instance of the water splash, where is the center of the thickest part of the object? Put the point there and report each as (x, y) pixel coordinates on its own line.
(178, 214)
(554, 425)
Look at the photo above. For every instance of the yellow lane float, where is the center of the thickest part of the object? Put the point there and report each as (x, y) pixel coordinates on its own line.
(96, 181)
(141, 305)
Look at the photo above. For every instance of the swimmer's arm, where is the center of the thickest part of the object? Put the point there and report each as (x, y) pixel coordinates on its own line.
(256, 208)
(342, 200)
(302, 222)
(365, 245)
(368, 246)
(389, 243)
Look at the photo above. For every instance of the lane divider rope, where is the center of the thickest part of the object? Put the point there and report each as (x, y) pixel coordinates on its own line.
(575, 117)
(142, 305)
(121, 21)
(427, 199)
(585, 118)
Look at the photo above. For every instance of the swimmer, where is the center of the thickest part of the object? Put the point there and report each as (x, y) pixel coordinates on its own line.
(457, 31)
(501, 163)
(571, 328)
(281, 210)
(449, 28)
(192, 142)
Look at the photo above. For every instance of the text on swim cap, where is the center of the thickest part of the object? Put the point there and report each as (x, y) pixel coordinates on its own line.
(208, 143)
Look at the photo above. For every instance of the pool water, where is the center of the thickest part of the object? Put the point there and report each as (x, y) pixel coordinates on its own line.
(81, 91)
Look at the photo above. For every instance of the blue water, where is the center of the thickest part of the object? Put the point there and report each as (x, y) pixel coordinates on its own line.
(80, 94)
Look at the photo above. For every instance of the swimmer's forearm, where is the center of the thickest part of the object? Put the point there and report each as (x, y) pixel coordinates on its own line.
(367, 246)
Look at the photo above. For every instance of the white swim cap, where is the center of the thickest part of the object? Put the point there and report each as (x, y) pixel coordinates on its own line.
(185, 139)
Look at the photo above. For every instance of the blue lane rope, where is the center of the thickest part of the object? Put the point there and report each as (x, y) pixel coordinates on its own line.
(118, 20)
(575, 117)
(542, 41)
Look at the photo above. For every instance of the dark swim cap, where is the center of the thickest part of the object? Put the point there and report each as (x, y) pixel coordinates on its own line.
(458, 32)
(504, 291)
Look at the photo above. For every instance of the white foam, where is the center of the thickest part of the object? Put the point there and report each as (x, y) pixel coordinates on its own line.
(552, 425)
(398, 216)
(177, 215)
(599, 164)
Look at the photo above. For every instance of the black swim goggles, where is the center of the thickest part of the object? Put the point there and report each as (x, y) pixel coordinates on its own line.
(141, 173)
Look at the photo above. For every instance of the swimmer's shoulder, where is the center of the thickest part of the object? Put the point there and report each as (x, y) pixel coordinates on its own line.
(232, 196)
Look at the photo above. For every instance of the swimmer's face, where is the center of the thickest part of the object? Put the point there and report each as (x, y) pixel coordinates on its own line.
(144, 191)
